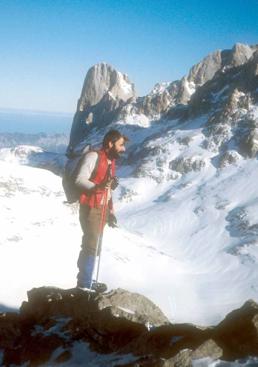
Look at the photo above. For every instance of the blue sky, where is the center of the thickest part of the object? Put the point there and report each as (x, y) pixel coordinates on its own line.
(48, 46)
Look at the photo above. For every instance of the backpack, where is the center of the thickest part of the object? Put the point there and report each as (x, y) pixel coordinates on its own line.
(72, 167)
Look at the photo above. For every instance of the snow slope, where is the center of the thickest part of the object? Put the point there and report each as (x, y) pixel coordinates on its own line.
(187, 242)
(38, 241)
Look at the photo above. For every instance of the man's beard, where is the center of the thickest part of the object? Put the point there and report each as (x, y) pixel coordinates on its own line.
(113, 153)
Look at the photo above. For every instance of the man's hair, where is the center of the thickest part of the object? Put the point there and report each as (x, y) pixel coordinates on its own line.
(112, 136)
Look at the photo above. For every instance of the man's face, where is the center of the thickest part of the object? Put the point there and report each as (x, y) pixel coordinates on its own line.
(115, 149)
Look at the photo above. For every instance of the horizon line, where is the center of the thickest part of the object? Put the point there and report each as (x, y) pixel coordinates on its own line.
(32, 111)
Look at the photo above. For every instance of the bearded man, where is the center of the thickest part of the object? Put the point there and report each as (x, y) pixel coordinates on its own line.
(96, 180)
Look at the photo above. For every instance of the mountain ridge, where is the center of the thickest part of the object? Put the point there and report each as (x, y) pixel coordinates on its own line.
(162, 99)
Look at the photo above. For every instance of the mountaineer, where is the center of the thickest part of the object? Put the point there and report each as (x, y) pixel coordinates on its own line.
(96, 179)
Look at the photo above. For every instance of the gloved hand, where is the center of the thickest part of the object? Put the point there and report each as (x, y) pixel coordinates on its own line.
(114, 182)
(104, 185)
(111, 183)
(112, 221)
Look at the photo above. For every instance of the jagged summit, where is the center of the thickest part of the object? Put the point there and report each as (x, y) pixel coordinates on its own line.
(105, 91)
(108, 95)
(165, 96)
(206, 68)
(102, 79)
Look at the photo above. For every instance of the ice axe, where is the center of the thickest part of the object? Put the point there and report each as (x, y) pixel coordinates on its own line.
(100, 287)
(101, 231)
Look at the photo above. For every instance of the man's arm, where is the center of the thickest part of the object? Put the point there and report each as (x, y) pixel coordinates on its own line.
(85, 172)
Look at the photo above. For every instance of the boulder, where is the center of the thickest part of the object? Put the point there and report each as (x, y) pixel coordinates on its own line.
(184, 165)
(133, 307)
(228, 158)
(237, 334)
(249, 144)
(48, 301)
(119, 328)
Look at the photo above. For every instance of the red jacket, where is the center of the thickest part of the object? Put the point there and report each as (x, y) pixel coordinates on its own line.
(94, 197)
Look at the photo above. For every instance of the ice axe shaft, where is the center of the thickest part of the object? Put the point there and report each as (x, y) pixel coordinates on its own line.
(101, 229)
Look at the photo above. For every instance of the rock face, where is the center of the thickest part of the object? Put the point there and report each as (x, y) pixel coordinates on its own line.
(102, 79)
(237, 334)
(104, 92)
(185, 165)
(118, 328)
(165, 96)
(219, 60)
(249, 143)
(223, 87)
(133, 307)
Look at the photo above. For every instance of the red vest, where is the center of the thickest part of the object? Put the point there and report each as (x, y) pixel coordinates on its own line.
(94, 197)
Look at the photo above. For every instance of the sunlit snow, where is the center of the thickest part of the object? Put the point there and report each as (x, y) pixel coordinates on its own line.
(189, 243)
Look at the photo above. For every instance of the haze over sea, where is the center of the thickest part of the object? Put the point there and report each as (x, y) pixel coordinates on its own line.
(33, 122)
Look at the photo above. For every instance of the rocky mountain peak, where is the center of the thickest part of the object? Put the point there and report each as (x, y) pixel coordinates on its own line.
(165, 96)
(102, 79)
(105, 91)
(203, 71)
(241, 53)
(108, 95)
(206, 69)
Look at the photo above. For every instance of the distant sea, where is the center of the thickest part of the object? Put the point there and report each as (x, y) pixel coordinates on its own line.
(34, 122)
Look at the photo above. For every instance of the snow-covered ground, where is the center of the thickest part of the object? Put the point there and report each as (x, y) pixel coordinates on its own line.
(190, 246)
(38, 240)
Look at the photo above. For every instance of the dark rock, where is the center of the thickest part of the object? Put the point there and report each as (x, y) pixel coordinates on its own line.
(63, 357)
(35, 350)
(46, 302)
(185, 165)
(237, 334)
(249, 144)
(184, 358)
(167, 341)
(185, 140)
(10, 329)
(228, 158)
(118, 323)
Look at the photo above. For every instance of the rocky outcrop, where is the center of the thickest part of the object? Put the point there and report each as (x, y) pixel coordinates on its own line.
(221, 91)
(105, 91)
(237, 334)
(166, 96)
(226, 90)
(108, 95)
(249, 143)
(118, 328)
(228, 101)
(185, 165)
(220, 60)
(228, 158)
(103, 79)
